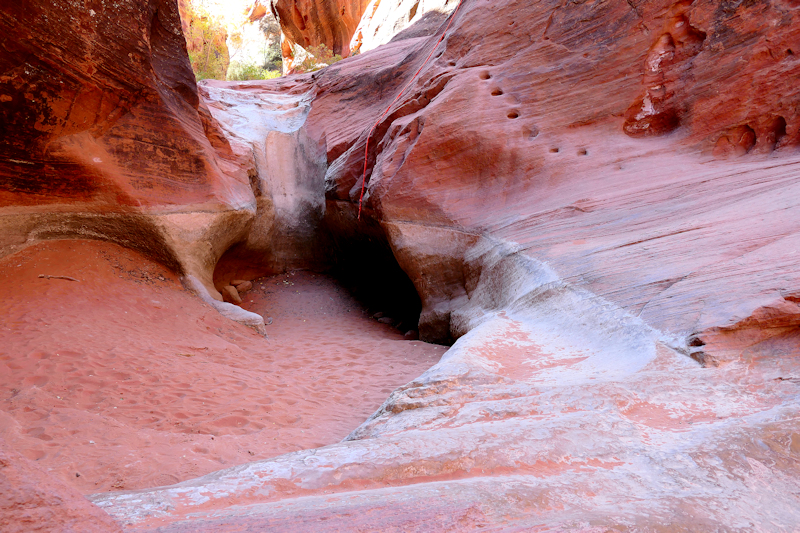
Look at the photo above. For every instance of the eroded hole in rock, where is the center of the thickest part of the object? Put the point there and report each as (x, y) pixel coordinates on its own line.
(777, 131)
(530, 132)
(736, 141)
(367, 268)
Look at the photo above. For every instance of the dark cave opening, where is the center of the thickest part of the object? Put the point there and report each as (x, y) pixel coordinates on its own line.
(356, 253)
(364, 264)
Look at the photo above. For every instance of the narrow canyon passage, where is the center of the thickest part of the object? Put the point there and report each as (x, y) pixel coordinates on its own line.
(121, 379)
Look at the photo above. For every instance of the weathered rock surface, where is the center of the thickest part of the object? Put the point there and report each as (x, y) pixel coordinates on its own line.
(489, 141)
(386, 20)
(314, 22)
(104, 136)
(31, 500)
(584, 195)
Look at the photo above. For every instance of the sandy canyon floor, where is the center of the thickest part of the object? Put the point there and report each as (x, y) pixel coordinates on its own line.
(124, 380)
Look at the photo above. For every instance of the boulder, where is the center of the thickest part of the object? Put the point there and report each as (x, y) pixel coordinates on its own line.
(242, 285)
(231, 295)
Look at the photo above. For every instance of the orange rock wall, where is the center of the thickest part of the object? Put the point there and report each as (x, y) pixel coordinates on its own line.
(314, 22)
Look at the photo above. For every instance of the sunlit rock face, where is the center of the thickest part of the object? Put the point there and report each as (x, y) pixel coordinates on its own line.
(311, 23)
(104, 135)
(287, 176)
(386, 20)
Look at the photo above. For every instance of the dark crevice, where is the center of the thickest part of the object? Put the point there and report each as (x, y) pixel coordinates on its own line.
(363, 262)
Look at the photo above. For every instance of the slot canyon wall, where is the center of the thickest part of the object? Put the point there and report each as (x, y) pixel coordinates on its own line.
(104, 136)
(595, 200)
(594, 137)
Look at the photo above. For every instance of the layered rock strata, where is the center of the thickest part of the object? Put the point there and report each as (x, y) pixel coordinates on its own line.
(537, 141)
(104, 136)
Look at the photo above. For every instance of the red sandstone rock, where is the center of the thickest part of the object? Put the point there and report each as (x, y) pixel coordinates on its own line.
(550, 186)
(488, 141)
(31, 500)
(257, 11)
(231, 295)
(242, 285)
(104, 136)
(313, 22)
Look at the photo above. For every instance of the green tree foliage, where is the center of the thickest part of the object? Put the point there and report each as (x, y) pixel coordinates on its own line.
(271, 51)
(264, 65)
(241, 71)
(316, 57)
(206, 40)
